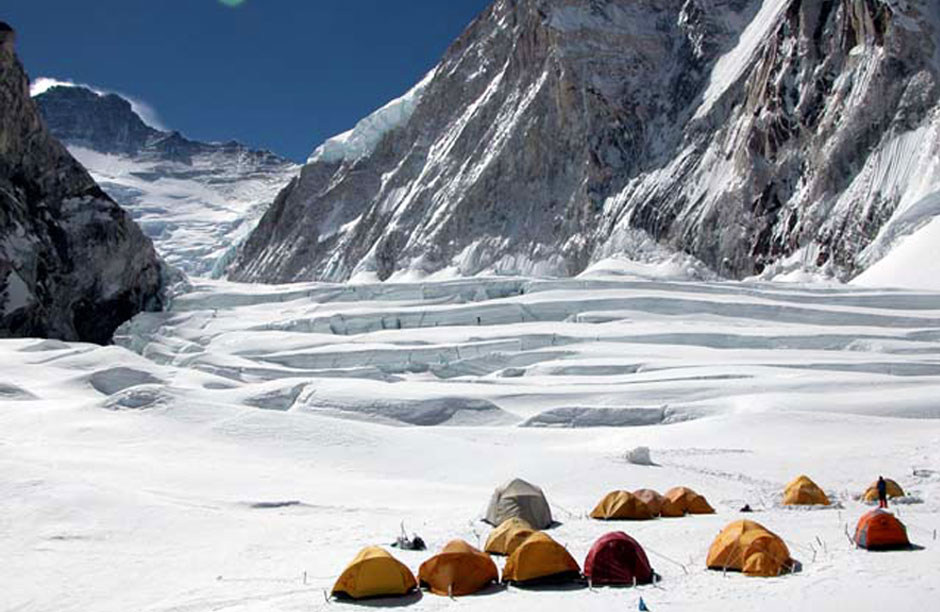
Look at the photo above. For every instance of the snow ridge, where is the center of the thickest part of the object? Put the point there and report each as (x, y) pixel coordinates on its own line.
(362, 140)
(733, 64)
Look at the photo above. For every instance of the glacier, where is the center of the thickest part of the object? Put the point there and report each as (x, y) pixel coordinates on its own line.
(237, 450)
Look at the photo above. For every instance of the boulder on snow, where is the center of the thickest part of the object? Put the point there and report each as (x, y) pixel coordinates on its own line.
(639, 456)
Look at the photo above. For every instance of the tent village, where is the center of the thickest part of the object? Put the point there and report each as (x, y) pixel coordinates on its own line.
(520, 513)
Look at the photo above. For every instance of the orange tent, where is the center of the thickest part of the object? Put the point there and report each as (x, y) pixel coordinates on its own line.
(749, 547)
(374, 573)
(688, 501)
(459, 569)
(621, 506)
(508, 536)
(658, 504)
(804, 492)
(881, 530)
(892, 488)
(540, 559)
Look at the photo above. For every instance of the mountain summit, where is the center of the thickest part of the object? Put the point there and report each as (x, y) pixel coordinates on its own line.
(751, 134)
(195, 200)
(103, 122)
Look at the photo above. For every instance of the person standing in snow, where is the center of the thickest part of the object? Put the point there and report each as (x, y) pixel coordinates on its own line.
(882, 492)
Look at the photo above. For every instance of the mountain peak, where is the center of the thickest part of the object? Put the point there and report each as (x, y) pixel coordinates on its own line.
(105, 122)
(554, 133)
(218, 189)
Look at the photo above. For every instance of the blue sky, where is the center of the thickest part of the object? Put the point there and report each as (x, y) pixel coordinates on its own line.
(276, 74)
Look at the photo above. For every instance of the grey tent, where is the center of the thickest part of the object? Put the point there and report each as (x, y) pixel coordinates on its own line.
(519, 499)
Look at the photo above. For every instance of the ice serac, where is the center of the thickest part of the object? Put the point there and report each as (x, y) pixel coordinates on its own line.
(750, 134)
(197, 201)
(73, 265)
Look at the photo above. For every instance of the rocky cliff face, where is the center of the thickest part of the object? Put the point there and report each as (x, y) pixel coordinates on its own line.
(103, 122)
(747, 133)
(73, 265)
(197, 201)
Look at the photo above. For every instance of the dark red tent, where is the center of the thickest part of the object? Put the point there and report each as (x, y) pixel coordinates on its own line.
(616, 558)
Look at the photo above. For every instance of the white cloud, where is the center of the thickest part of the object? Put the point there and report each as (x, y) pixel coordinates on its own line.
(43, 84)
(146, 112)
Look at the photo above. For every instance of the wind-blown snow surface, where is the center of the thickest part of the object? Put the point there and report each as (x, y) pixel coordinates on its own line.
(259, 436)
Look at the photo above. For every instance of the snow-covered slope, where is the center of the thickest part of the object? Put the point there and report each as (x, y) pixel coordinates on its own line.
(759, 136)
(268, 433)
(905, 250)
(911, 264)
(196, 201)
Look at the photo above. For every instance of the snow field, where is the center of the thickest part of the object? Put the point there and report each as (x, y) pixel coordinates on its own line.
(256, 438)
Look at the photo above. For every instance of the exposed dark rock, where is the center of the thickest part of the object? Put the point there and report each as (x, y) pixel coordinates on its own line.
(73, 266)
(105, 123)
(108, 123)
(556, 132)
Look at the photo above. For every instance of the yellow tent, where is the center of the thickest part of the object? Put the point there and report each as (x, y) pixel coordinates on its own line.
(374, 573)
(748, 547)
(621, 506)
(804, 492)
(538, 559)
(508, 536)
(658, 504)
(459, 569)
(688, 501)
(893, 489)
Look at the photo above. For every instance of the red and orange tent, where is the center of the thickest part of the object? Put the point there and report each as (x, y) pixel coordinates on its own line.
(881, 530)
